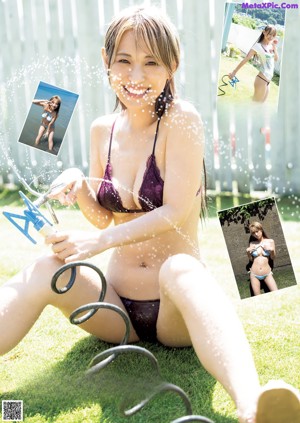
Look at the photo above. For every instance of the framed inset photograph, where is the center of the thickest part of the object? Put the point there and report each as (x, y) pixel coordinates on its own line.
(257, 248)
(48, 118)
(251, 54)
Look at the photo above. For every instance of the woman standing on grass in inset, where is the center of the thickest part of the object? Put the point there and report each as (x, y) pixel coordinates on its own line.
(266, 52)
(144, 197)
(50, 114)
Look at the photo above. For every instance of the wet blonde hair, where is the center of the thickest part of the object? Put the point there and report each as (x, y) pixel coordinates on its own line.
(154, 29)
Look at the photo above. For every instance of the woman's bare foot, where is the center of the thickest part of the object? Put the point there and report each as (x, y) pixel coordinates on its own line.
(278, 402)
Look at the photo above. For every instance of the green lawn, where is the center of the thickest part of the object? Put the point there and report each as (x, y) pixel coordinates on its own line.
(46, 370)
(244, 88)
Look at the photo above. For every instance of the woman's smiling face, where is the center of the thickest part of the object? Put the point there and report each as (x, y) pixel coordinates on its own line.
(54, 103)
(135, 75)
(269, 36)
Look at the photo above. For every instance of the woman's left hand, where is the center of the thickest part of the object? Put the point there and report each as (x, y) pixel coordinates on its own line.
(73, 246)
(268, 245)
(66, 186)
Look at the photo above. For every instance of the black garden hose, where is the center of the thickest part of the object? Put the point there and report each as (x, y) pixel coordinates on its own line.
(104, 358)
(234, 81)
(222, 85)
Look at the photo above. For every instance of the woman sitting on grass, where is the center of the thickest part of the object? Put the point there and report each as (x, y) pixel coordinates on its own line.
(148, 159)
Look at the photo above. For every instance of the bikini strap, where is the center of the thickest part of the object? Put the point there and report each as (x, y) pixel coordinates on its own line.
(111, 137)
(110, 140)
(156, 135)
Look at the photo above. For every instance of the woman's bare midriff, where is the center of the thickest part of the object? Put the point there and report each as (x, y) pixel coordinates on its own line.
(261, 266)
(133, 269)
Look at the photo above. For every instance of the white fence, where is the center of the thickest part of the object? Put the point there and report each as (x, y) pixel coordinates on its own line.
(59, 42)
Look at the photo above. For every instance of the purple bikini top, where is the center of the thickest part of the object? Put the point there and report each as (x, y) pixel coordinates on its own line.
(151, 190)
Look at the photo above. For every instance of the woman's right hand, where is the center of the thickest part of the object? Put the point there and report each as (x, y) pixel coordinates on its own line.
(66, 186)
(250, 249)
(231, 75)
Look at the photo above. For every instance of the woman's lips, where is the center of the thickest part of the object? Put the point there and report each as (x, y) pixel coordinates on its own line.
(136, 92)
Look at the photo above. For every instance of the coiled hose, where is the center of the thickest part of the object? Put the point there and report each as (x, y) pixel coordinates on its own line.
(104, 358)
(232, 82)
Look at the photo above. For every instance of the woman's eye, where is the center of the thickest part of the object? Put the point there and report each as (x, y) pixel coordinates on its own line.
(151, 63)
(123, 61)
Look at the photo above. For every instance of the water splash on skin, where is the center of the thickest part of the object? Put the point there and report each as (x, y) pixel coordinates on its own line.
(89, 76)
(183, 236)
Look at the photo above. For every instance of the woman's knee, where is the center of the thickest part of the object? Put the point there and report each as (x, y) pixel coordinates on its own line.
(179, 270)
(255, 283)
(44, 268)
(271, 283)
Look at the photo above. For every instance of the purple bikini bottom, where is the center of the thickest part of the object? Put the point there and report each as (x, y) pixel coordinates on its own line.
(143, 315)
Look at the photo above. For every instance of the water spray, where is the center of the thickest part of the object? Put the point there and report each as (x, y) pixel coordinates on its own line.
(31, 216)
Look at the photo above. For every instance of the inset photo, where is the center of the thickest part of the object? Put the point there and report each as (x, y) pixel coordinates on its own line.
(251, 54)
(257, 249)
(48, 118)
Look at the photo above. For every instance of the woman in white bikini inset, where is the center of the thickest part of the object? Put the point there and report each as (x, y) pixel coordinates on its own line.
(49, 116)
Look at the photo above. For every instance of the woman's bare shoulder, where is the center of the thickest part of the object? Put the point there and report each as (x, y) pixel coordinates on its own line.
(184, 109)
(101, 127)
(183, 118)
(103, 122)
(270, 240)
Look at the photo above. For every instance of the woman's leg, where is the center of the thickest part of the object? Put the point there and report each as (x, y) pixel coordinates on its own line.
(24, 297)
(271, 284)
(39, 135)
(267, 92)
(195, 310)
(260, 90)
(51, 140)
(255, 283)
